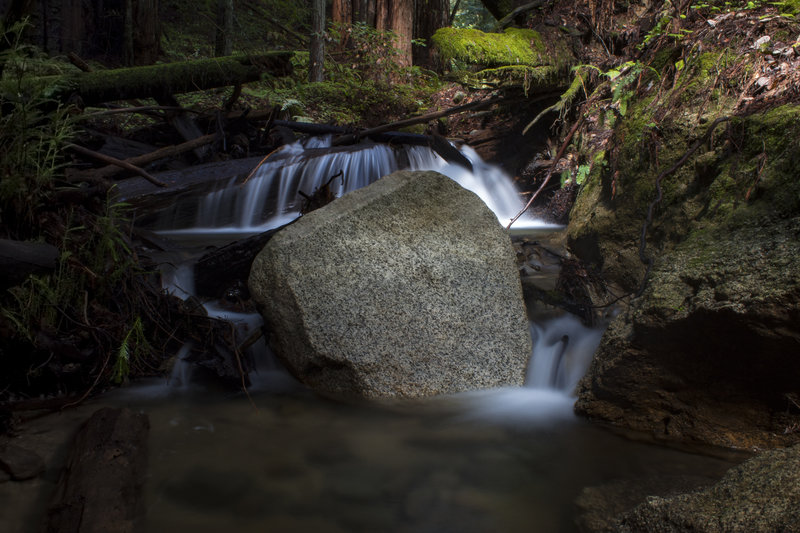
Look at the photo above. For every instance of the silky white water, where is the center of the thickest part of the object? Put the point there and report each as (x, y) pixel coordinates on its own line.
(272, 196)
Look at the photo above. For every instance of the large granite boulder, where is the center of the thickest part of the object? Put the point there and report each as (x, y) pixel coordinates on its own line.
(759, 496)
(405, 288)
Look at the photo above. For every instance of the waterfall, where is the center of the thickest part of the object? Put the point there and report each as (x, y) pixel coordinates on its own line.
(562, 350)
(272, 196)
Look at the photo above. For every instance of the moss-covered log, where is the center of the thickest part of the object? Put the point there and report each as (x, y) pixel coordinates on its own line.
(518, 54)
(161, 80)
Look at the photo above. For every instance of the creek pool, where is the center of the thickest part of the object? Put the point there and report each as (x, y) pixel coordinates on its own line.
(506, 460)
(287, 460)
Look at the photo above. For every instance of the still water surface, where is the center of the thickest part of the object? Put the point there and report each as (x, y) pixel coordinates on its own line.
(504, 460)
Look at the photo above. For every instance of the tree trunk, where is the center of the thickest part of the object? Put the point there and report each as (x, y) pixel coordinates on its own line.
(342, 11)
(430, 16)
(224, 30)
(160, 80)
(317, 52)
(383, 14)
(146, 32)
(397, 16)
(365, 12)
(127, 35)
(403, 27)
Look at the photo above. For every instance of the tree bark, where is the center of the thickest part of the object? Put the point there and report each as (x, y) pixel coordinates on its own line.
(317, 51)
(430, 16)
(161, 80)
(365, 12)
(127, 34)
(224, 31)
(342, 11)
(146, 32)
(397, 16)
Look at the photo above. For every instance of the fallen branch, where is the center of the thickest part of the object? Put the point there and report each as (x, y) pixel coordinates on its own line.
(117, 162)
(551, 170)
(161, 153)
(659, 195)
(420, 119)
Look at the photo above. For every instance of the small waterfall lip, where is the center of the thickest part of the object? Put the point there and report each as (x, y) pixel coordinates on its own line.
(271, 197)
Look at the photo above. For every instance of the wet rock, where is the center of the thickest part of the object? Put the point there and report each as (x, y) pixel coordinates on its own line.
(600, 507)
(406, 288)
(760, 495)
(19, 463)
(101, 487)
(709, 351)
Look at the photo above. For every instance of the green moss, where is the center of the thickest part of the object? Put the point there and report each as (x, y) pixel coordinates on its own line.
(513, 47)
(790, 7)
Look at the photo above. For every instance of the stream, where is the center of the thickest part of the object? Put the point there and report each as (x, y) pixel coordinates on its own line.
(287, 460)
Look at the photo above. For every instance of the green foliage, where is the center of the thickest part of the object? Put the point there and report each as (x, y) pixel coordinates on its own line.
(133, 346)
(31, 141)
(364, 81)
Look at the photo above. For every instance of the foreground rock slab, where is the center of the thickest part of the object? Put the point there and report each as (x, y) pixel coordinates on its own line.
(405, 288)
(760, 495)
(100, 489)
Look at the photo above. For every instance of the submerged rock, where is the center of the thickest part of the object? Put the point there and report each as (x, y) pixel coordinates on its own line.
(760, 495)
(405, 288)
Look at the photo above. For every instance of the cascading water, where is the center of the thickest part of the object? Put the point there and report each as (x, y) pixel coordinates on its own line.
(272, 196)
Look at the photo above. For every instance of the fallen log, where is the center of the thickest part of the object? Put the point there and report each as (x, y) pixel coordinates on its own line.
(151, 157)
(101, 486)
(200, 178)
(124, 165)
(20, 259)
(160, 80)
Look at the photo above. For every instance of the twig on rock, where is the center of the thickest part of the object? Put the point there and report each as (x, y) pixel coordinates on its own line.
(551, 170)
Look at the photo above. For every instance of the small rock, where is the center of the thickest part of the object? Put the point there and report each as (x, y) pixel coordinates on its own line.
(20, 463)
(761, 41)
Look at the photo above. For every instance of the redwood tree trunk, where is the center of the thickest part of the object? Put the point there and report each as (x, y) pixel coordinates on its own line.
(342, 11)
(430, 16)
(398, 17)
(146, 32)
(403, 27)
(224, 30)
(364, 12)
(317, 52)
